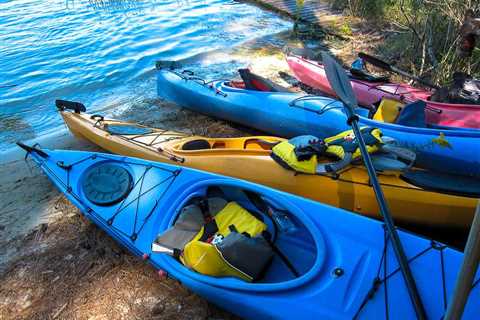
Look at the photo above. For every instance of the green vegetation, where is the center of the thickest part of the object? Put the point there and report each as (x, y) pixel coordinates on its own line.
(422, 34)
(345, 29)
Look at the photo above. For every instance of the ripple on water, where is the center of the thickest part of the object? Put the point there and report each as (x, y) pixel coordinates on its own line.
(92, 51)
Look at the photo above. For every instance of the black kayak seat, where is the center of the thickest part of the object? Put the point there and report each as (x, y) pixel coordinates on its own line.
(258, 83)
(106, 184)
(198, 144)
(121, 129)
(444, 183)
(365, 76)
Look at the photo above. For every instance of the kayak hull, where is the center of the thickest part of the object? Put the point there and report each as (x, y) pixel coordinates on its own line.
(290, 114)
(438, 114)
(335, 286)
(351, 190)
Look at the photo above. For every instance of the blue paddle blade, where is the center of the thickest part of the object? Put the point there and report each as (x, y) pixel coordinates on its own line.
(339, 81)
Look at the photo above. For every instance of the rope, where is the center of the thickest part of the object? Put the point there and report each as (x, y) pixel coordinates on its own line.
(156, 135)
(377, 281)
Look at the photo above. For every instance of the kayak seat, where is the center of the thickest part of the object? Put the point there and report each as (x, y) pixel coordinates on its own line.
(198, 144)
(445, 183)
(413, 115)
(265, 145)
(365, 76)
(258, 83)
(189, 222)
(218, 238)
(236, 84)
(388, 111)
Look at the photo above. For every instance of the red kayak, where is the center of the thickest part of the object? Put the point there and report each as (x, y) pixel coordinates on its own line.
(370, 92)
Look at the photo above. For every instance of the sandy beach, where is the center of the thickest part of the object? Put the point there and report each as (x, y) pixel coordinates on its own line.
(55, 264)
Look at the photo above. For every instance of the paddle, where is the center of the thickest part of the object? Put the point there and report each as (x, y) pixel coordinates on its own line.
(340, 83)
(388, 67)
(467, 273)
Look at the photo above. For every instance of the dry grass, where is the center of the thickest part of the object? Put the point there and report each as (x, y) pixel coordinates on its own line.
(73, 270)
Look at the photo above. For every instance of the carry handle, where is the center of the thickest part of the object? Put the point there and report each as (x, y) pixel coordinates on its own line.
(72, 105)
(97, 116)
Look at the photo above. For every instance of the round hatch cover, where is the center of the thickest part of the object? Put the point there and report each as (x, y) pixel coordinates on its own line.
(107, 184)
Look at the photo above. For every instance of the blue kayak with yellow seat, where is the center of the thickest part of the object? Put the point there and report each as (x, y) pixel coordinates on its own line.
(258, 103)
(254, 251)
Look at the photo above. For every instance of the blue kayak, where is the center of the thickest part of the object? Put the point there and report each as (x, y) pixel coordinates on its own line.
(289, 114)
(345, 265)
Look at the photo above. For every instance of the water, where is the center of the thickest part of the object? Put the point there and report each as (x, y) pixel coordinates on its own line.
(102, 53)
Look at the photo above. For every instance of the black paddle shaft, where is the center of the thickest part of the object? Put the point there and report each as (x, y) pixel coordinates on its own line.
(397, 246)
(388, 67)
(340, 83)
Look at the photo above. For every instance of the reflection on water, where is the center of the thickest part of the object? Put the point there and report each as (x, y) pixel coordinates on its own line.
(127, 6)
(102, 53)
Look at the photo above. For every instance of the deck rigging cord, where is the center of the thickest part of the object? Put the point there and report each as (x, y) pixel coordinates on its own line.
(135, 138)
(123, 204)
(381, 278)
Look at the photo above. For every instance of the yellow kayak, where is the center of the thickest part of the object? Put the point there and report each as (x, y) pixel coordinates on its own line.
(247, 158)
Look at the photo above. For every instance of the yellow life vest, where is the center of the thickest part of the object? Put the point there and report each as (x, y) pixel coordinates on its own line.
(205, 258)
(345, 142)
(284, 153)
(338, 146)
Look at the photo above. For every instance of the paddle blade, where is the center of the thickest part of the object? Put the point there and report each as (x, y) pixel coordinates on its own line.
(339, 81)
(375, 61)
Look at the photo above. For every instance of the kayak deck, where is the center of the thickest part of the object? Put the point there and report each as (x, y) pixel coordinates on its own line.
(346, 262)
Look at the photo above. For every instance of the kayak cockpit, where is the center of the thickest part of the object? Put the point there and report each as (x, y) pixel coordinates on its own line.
(231, 234)
(212, 145)
(251, 81)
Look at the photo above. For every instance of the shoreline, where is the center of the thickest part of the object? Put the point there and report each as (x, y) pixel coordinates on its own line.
(45, 237)
(55, 264)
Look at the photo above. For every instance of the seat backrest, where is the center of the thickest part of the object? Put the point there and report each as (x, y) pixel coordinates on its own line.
(413, 115)
(258, 83)
(365, 76)
(189, 223)
(198, 144)
(388, 111)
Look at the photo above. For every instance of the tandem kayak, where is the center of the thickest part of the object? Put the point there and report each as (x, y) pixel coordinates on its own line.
(312, 73)
(290, 114)
(345, 267)
(416, 196)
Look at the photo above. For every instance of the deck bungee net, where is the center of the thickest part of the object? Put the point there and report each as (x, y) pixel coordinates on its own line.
(122, 205)
(379, 282)
(135, 137)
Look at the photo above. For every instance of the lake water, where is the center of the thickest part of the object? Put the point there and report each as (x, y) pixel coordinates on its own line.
(103, 53)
